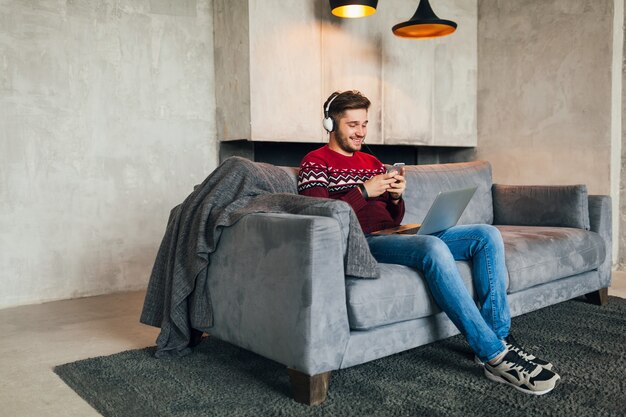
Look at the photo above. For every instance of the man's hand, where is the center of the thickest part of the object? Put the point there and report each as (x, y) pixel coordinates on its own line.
(378, 184)
(397, 187)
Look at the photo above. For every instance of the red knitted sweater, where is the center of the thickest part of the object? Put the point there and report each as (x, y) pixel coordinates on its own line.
(329, 174)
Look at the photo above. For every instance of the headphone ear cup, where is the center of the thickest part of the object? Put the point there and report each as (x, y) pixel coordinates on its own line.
(328, 124)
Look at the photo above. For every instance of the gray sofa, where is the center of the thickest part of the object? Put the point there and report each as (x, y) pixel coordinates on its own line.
(278, 286)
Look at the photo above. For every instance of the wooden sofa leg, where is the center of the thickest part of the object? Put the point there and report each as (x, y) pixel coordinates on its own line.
(309, 389)
(600, 297)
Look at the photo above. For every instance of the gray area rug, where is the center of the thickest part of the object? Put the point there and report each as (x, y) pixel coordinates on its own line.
(587, 343)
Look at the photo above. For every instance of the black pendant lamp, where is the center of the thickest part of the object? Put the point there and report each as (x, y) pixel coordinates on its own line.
(424, 24)
(353, 8)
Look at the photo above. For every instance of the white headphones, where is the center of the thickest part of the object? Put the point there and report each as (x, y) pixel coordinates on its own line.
(328, 122)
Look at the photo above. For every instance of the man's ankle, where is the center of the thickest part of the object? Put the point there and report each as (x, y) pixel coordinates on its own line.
(498, 358)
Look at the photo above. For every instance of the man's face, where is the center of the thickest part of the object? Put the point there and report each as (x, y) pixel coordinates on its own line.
(350, 132)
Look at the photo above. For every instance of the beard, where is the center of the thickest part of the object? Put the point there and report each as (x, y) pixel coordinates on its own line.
(348, 145)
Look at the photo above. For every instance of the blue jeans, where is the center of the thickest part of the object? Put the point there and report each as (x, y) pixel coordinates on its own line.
(484, 326)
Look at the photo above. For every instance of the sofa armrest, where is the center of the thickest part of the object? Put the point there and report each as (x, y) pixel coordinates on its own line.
(541, 205)
(600, 221)
(277, 288)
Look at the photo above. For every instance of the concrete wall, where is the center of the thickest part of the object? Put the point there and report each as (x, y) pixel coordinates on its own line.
(106, 122)
(544, 91)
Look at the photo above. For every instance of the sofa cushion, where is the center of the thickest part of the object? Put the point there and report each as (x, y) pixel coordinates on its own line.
(425, 181)
(401, 293)
(536, 255)
(541, 205)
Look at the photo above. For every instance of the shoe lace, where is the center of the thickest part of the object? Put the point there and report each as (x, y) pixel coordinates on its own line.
(521, 362)
(519, 349)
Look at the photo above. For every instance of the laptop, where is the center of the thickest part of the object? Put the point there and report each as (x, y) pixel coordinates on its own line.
(443, 214)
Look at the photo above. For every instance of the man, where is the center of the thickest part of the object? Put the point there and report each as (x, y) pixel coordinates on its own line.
(341, 171)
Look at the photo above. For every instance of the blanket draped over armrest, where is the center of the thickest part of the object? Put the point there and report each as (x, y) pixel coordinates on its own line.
(176, 298)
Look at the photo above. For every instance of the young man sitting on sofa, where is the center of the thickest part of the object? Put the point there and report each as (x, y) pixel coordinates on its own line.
(339, 170)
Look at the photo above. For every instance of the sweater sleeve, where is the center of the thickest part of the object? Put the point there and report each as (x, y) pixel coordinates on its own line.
(396, 210)
(313, 178)
(355, 199)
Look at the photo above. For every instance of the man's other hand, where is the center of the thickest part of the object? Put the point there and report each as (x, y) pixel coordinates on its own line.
(378, 184)
(397, 187)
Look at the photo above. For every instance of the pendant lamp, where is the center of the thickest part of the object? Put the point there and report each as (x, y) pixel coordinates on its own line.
(353, 8)
(424, 24)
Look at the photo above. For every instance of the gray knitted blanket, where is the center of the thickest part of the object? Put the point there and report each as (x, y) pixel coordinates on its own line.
(176, 298)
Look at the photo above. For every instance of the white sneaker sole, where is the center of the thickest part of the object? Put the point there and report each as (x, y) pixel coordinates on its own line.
(496, 378)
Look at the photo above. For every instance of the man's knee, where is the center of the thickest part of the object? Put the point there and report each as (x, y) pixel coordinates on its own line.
(435, 249)
(488, 233)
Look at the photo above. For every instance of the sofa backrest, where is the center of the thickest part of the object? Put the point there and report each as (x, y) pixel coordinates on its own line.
(425, 181)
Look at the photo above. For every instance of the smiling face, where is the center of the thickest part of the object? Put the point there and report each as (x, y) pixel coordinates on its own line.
(350, 133)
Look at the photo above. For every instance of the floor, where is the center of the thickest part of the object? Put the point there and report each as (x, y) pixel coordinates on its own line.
(38, 337)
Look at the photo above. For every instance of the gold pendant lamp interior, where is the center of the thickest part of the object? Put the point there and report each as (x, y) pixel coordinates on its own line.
(353, 8)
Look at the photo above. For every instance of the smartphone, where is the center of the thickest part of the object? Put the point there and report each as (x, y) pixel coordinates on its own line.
(395, 168)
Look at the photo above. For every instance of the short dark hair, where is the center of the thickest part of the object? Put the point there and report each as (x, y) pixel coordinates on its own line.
(347, 100)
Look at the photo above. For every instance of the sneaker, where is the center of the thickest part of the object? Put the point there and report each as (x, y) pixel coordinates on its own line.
(522, 374)
(511, 344)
